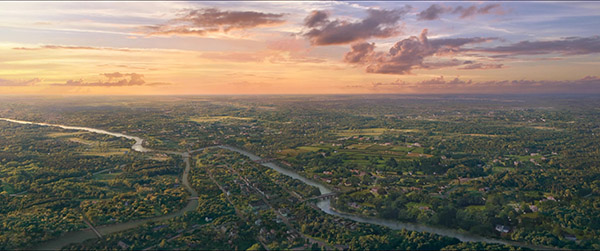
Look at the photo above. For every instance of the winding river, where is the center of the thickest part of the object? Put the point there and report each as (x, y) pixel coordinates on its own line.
(325, 205)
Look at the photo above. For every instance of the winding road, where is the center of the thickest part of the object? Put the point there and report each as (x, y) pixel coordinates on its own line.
(325, 205)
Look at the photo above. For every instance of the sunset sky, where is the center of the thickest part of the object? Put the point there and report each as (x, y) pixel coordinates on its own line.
(284, 47)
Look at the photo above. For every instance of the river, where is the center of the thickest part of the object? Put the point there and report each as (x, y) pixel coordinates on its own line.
(325, 205)
(137, 146)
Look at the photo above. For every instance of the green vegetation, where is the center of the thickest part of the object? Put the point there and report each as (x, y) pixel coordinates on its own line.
(524, 169)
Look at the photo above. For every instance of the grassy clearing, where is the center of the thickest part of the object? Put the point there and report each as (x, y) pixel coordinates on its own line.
(309, 148)
(83, 141)
(64, 134)
(376, 147)
(499, 169)
(217, 118)
(361, 132)
(413, 154)
(481, 135)
(547, 128)
(359, 146)
(106, 176)
(109, 152)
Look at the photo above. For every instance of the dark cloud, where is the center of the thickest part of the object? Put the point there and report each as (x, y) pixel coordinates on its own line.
(114, 79)
(435, 11)
(316, 18)
(203, 21)
(378, 23)
(565, 46)
(409, 54)
(588, 84)
(64, 47)
(9, 82)
(360, 53)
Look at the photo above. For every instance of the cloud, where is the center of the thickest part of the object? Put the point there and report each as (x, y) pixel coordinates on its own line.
(114, 79)
(474, 10)
(9, 82)
(378, 23)
(316, 18)
(360, 53)
(474, 66)
(588, 84)
(409, 54)
(435, 11)
(201, 22)
(66, 47)
(565, 46)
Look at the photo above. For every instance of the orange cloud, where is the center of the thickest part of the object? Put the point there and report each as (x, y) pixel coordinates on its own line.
(204, 21)
(588, 84)
(9, 82)
(66, 47)
(113, 79)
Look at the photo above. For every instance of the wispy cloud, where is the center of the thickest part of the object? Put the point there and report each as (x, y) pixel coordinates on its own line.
(378, 23)
(113, 80)
(11, 82)
(201, 22)
(435, 11)
(70, 47)
(481, 66)
(565, 46)
(588, 84)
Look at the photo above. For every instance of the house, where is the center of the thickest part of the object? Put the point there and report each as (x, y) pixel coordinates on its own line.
(123, 245)
(375, 190)
(284, 211)
(533, 208)
(502, 229)
(570, 237)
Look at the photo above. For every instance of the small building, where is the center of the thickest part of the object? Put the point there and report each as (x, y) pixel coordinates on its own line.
(570, 237)
(502, 229)
(375, 191)
(533, 208)
(123, 245)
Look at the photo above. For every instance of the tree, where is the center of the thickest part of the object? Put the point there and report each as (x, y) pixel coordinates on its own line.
(392, 162)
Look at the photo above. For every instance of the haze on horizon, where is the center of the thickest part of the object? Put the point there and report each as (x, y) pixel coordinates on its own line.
(106, 48)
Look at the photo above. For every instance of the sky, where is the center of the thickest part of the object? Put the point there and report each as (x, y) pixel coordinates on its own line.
(303, 47)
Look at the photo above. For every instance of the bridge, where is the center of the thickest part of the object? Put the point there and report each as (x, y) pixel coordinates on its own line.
(325, 196)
